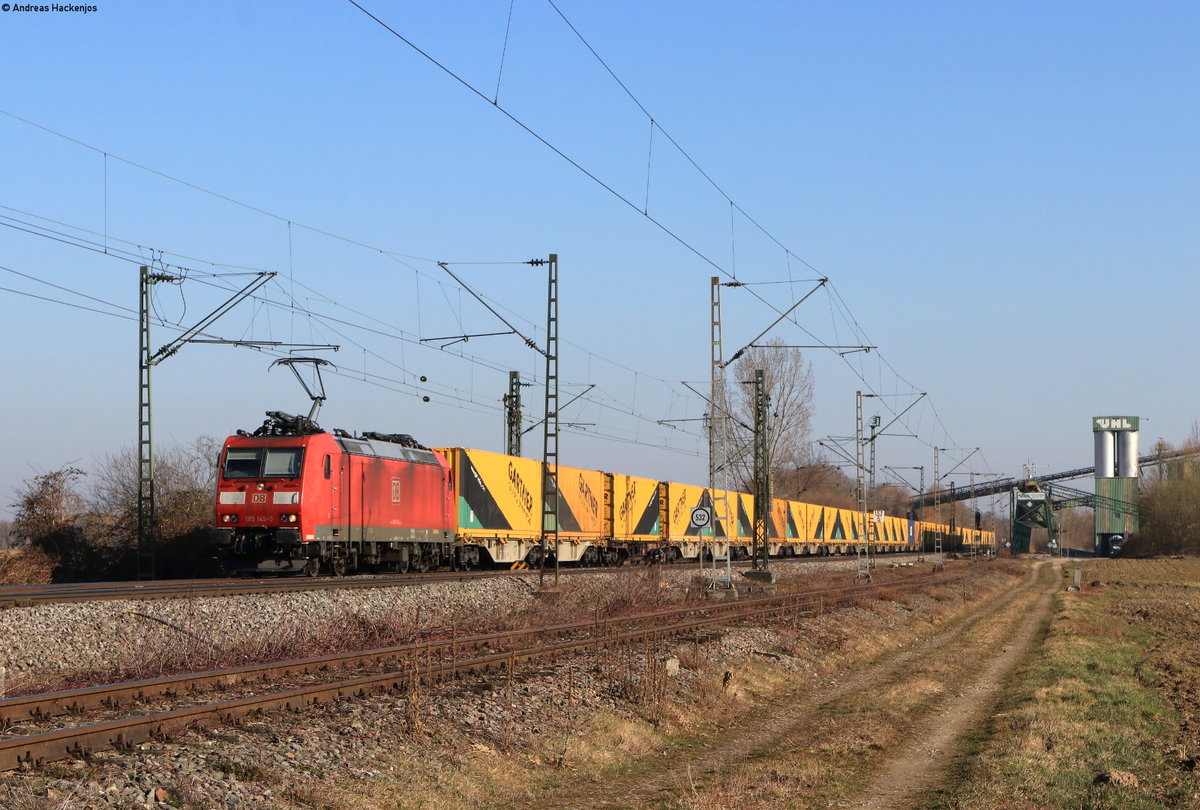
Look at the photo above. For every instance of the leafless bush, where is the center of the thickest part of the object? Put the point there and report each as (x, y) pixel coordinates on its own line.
(415, 697)
(887, 594)
(20, 797)
(48, 504)
(51, 516)
(25, 566)
(93, 536)
(184, 482)
(938, 593)
(692, 656)
(641, 677)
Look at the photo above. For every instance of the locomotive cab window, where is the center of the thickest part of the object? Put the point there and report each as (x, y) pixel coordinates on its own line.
(282, 462)
(260, 462)
(327, 470)
(242, 463)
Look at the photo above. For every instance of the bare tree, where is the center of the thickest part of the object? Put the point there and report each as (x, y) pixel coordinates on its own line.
(184, 482)
(817, 482)
(50, 520)
(1075, 529)
(891, 499)
(47, 505)
(1169, 505)
(789, 383)
(94, 536)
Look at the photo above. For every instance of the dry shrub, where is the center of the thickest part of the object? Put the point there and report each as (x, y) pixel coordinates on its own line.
(25, 566)
(692, 656)
(642, 680)
(887, 594)
(188, 793)
(938, 593)
(860, 599)
(20, 797)
(415, 698)
(631, 590)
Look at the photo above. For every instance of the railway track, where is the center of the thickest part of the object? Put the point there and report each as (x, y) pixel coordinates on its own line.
(33, 730)
(31, 595)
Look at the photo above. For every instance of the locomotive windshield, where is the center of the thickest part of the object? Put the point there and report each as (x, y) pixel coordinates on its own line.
(263, 462)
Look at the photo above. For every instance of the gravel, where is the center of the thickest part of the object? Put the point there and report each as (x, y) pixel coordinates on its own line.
(266, 762)
(65, 638)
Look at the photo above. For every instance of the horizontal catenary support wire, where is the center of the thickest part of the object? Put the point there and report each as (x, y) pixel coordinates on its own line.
(593, 177)
(397, 256)
(392, 254)
(191, 273)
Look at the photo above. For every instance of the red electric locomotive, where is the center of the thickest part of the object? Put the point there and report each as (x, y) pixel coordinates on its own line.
(292, 497)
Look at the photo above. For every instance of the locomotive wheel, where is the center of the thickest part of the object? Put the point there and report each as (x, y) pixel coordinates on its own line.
(312, 568)
(337, 566)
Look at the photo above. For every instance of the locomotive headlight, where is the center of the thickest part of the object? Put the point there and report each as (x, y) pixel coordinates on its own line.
(229, 518)
(291, 517)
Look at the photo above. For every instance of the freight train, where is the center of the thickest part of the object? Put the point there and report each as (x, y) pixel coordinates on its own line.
(292, 497)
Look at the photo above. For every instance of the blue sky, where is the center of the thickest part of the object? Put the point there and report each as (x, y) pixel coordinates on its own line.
(1003, 195)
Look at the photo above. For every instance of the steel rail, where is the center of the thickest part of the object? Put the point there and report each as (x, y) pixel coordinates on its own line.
(49, 704)
(124, 733)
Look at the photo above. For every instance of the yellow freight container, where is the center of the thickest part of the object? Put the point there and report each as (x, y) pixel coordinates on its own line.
(743, 526)
(804, 516)
(582, 496)
(779, 530)
(636, 508)
(496, 496)
(679, 501)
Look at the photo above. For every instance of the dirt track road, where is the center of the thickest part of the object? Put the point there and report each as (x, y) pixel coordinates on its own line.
(923, 767)
(979, 648)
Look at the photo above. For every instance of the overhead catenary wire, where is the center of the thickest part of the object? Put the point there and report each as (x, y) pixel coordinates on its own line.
(395, 255)
(195, 187)
(857, 366)
(145, 254)
(142, 255)
(216, 280)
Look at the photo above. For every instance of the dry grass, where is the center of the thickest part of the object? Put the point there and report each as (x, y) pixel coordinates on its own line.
(823, 762)
(816, 768)
(1100, 717)
(938, 593)
(1140, 573)
(25, 566)
(183, 646)
(14, 798)
(658, 720)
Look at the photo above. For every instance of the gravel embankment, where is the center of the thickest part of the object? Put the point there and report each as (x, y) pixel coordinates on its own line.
(72, 637)
(292, 760)
(59, 639)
